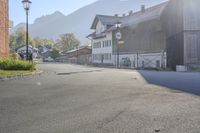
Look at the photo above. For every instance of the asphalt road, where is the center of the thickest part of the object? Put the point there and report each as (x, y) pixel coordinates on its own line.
(78, 99)
(183, 81)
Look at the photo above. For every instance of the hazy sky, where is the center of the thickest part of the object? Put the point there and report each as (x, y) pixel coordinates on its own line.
(44, 7)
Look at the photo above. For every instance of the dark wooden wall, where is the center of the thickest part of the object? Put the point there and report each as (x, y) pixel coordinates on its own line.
(191, 27)
(191, 14)
(172, 23)
(146, 37)
(181, 21)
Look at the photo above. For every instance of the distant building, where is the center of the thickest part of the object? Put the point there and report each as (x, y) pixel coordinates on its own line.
(45, 51)
(80, 55)
(165, 35)
(4, 25)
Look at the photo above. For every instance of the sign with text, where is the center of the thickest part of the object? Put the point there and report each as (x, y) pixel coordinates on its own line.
(118, 35)
(121, 42)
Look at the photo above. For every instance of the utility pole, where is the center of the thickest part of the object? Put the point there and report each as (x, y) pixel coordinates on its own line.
(118, 36)
(137, 60)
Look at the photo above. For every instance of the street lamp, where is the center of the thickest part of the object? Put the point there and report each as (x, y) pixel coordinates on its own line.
(118, 36)
(26, 5)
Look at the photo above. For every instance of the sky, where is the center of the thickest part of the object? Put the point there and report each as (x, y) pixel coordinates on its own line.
(43, 7)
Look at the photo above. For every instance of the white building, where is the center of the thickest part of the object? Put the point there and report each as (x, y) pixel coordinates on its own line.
(144, 45)
(102, 48)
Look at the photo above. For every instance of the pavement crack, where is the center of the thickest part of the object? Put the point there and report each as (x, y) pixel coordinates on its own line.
(110, 119)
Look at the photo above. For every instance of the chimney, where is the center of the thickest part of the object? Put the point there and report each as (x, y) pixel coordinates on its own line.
(143, 8)
(116, 15)
(131, 12)
(124, 15)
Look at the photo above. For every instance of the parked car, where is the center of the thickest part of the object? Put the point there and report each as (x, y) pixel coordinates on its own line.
(48, 59)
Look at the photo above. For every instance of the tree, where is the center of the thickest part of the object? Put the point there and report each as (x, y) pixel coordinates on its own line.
(38, 42)
(20, 35)
(87, 43)
(55, 53)
(67, 42)
(12, 41)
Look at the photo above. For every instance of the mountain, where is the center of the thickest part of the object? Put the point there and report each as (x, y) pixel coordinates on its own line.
(79, 22)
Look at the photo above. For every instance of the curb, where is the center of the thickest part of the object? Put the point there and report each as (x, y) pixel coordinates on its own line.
(20, 75)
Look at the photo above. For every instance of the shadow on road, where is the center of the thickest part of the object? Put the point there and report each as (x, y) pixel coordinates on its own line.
(187, 82)
(78, 72)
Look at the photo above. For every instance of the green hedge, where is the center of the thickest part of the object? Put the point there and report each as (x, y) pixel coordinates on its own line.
(15, 64)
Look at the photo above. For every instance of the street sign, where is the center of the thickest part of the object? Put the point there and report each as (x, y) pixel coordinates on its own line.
(118, 35)
(121, 42)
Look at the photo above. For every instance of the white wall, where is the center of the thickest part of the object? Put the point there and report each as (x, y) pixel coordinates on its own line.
(103, 50)
(100, 27)
(149, 59)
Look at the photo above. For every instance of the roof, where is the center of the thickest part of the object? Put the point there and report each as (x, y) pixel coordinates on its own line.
(149, 14)
(76, 49)
(92, 34)
(133, 19)
(105, 20)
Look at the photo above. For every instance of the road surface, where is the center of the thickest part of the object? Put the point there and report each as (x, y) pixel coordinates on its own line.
(183, 81)
(79, 99)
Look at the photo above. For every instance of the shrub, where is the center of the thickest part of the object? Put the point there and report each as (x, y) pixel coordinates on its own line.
(12, 64)
(14, 56)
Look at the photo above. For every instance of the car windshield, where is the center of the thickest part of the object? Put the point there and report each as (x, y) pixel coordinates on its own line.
(99, 66)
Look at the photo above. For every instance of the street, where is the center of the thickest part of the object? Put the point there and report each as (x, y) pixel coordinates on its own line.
(80, 99)
(188, 82)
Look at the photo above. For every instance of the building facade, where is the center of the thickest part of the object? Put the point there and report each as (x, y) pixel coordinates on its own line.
(165, 35)
(4, 24)
(102, 48)
(181, 22)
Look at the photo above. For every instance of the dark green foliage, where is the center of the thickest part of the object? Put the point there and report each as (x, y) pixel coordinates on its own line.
(12, 64)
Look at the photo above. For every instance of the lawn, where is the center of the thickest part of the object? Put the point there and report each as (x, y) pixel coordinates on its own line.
(4, 73)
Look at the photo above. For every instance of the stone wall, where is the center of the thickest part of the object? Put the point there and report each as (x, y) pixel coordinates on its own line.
(4, 28)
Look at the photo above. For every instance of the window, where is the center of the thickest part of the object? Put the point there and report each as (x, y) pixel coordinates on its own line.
(110, 43)
(97, 45)
(107, 43)
(96, 57)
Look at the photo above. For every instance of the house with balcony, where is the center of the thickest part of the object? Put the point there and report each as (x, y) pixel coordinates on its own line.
(164, 35)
